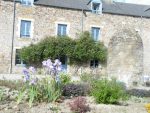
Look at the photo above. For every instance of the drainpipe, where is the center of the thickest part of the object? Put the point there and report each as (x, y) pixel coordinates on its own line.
(82, 21)
(13, 33)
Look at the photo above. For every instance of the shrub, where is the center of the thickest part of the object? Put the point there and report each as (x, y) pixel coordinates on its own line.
(79, 105)
(108, 92)
(75, 90)
(79, 51)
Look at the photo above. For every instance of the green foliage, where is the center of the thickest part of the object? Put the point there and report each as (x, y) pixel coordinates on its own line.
(79, 51)
(86, 49)
(108, 92)
(65, 79)
(47, 90)
(1, 94)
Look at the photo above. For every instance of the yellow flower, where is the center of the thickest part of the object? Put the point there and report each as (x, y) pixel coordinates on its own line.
(147, 106)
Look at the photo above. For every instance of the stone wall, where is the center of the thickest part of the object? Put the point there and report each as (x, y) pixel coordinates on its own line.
(45, 19)
(125, 56)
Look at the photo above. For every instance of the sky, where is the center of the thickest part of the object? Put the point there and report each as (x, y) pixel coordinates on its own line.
(145, 2)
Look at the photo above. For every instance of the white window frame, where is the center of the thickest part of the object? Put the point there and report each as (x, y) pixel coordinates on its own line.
(32, 1)
(19, 28)
(100, 7)
(100, 33)
(65, 23)
(22, 64)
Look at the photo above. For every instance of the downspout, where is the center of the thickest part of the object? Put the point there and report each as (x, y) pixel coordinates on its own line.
(13, 33)
(82, 21)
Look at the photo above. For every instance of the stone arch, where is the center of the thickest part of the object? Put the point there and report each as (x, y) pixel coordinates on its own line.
(125, 56)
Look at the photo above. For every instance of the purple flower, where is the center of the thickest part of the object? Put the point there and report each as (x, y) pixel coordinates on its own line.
(27, 78)
(49, 63)
(34, 81)
(25, 72)
(57, 62)
(59, 68)
(44, 63)
(32, 69)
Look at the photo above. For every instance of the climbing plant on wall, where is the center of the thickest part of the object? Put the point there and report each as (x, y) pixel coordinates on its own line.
(79, 51)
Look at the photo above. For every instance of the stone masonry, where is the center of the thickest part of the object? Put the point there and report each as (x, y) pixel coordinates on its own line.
(45, 19)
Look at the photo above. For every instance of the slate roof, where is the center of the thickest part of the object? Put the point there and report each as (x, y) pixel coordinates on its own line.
(127, 9)
(72, 4)
(114, 8)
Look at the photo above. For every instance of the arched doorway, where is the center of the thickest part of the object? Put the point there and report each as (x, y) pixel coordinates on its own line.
(125, 56)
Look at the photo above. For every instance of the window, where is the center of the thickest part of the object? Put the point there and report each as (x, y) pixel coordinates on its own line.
(27, 2)
(18, 60)
(25, 28)
(63, 60)
(94, 63)
(62, 29)
(96, 7)
(95, 33)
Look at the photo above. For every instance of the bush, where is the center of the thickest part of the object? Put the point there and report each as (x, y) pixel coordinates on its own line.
(108, 92)
(75, 90)
(79, 51)
(78, 105)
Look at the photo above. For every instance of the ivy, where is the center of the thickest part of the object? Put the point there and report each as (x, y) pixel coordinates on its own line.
(79, 51)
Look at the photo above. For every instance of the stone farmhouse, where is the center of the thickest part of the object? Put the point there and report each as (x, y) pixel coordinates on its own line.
(123, 27)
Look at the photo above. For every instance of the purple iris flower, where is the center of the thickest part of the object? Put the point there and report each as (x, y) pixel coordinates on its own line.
(32, 69)
(49, 63)
(44, 63)
(25, 72)
(27, 78)
(34, 81)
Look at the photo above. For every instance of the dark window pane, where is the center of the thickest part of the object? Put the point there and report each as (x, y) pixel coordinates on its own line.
(94, 63)
(17, 60)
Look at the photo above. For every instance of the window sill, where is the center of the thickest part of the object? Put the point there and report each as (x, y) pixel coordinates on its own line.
(20, 65)
(97, 12)
(24, 5)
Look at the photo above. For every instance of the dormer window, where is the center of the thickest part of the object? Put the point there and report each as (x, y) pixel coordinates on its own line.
(27, 2)
(96, 6)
